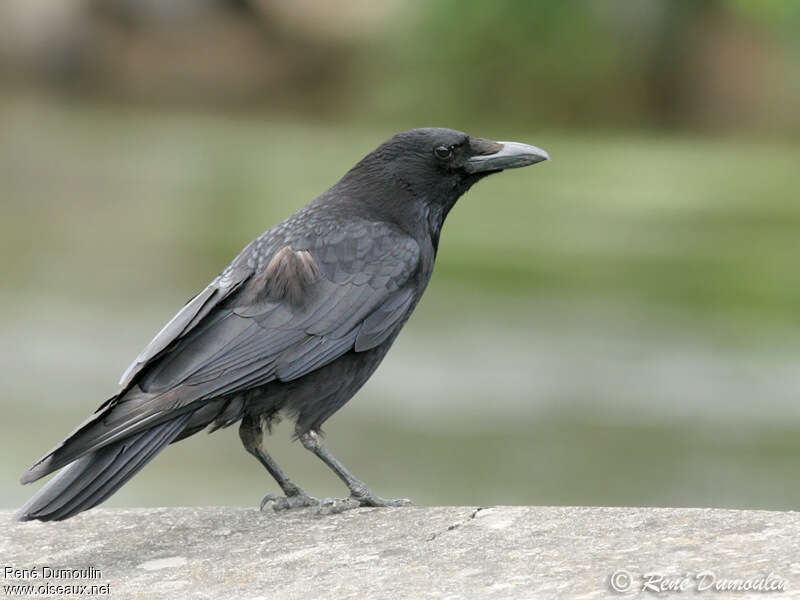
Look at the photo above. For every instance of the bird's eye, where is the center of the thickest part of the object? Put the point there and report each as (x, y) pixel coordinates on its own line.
(443, 152)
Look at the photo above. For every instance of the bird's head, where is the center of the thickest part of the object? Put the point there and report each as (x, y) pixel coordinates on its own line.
(436, 166)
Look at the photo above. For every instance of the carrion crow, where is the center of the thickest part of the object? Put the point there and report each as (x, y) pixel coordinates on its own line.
(296, 324)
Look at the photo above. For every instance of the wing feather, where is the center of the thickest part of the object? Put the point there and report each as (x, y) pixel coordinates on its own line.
(237, 334)
(254, 337)
(187, 318)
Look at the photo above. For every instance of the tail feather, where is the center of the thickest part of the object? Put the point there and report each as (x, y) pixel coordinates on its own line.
(125, 463)
(120, 418)
(94, 477)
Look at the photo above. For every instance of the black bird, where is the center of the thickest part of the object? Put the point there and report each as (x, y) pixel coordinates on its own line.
(296, 323)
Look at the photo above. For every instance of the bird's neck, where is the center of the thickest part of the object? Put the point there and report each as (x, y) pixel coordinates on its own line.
(435, 222)
(419, 208)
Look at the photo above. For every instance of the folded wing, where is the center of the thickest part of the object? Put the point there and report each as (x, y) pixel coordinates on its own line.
(288, 305)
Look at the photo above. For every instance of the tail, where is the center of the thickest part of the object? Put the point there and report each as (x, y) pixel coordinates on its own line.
(93, 477)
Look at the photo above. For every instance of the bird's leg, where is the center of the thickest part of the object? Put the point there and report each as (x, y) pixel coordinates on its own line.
(360, 494)
(252, 437)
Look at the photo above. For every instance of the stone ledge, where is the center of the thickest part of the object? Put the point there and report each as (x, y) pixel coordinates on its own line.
(420, 552)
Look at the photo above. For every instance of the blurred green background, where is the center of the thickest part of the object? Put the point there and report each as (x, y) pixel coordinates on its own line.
(619, 326)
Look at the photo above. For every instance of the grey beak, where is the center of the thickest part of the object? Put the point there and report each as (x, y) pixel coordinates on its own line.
(511, 156)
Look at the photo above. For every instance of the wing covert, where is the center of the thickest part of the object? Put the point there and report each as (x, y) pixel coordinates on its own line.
(360, 292)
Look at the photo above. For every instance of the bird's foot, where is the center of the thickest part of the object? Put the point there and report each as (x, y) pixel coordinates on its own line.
(332, 506)
(279, 503)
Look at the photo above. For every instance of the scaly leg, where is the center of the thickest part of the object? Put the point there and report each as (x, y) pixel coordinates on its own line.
(252, 437)
(360, 494)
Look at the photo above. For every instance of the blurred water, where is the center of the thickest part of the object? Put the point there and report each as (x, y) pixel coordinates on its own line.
(459, 415)
(618, 337)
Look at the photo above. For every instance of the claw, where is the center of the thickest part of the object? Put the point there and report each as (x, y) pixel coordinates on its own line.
(333, 506)
(266, 500)
(386, 502)
(279, 503)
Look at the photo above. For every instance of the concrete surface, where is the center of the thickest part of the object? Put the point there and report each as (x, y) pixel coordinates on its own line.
(425, 552)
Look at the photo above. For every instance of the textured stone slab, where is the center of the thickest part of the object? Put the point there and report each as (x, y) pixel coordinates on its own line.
(429, 552)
